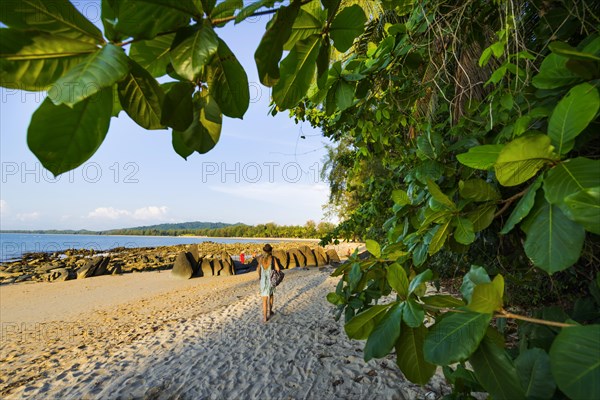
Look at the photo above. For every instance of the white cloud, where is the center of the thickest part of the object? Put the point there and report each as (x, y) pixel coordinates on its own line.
(3, 207)
(32, 216)
(140, 214)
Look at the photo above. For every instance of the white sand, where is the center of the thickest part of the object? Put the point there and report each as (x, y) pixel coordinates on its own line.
(149, 335)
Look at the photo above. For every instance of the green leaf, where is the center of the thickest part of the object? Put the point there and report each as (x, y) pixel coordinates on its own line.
(443, 300)
(565, 50)
(575, 361)
(475, 276)
(34, 60)
(373, 247)
(496, 372)
(464, 233)
(251, 9)
(413, 313)
(204, 132)
(58, 17)
(533, 370)
(409, 355)
(383, 337)
(481, 157)
(191, 54)
(439, 196)
(297, 73)
(98, 70)
(361, 326)
(142, 97)
(553, 242)
(208, 5)
(63, 138)
(523, 207)
(455, 337)
(400, 197)
(153, 55)
(487, 297)
(482, 216)
(306, 24)
(346, 26)
(396, 277)
(438, 240)
(419, 280)
(178, 109)
(229, 83)
(506, 101)
(554, 73)
(344, 95)
(478, 190)
(584, 208)
(179, 145)
(570, 177)
(522, 158)
(270, 49)
(226, 9)
(145, 19)
(572, 115)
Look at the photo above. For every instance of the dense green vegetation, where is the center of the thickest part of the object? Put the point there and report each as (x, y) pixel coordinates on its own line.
(210, 229)
(465, 146)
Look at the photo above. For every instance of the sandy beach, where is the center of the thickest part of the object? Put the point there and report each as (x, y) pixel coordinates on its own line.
(151, 335)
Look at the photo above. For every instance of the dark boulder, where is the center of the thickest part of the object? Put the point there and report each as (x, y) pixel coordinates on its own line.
(311, 260)
(320, 256)
(89, 269)
(183, 268)
(206, 267)
(333, 257)
(281, 257)
(102, 268)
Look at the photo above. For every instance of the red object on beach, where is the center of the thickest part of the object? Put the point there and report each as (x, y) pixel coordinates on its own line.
(242, 258)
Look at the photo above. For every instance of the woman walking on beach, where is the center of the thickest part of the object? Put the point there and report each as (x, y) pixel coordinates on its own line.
(265, 266)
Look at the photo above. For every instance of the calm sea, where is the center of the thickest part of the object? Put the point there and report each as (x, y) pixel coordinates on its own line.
(14, 245)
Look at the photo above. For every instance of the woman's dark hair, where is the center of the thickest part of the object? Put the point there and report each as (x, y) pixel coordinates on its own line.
(268, 249)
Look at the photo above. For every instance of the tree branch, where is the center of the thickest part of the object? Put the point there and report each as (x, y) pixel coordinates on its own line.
(509, 201)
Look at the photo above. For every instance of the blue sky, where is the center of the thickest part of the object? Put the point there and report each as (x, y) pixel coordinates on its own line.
(260, 171)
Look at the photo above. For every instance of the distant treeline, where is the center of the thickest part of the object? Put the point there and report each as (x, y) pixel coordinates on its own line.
(210, 229)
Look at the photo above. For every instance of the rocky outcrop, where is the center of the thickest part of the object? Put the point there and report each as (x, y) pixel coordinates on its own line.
(206, 267)
(333, 256)
(282, 258)
(311, 260)
(321, 256)
(185, 265)
(89, 268)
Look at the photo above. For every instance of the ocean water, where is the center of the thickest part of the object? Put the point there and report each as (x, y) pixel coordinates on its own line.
(14, 245)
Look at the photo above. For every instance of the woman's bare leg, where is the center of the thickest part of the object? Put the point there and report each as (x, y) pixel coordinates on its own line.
(265, 300)
(270, 304)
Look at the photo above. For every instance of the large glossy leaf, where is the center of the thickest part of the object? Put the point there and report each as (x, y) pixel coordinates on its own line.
(361, 326)
(439, 196)
(409, 355)
(58, 17)
(553, 242)
(481, 157)
(142, 97)
(443, 300)
(346, 26)
(178, 110)
(572, 115)
(179, 145)
(487, 297)
(464, 232)
(478, 190)
(153, 55)
(34, 60)
(475, 276)
(396, 277)
(570, 177)
(297, 72)
(225, 9)
(533, 369)
(523, 207)
(522, 158)
(565, 50)
(575, 361)
(270, 49)
(438, 240)
(373, 247)
(554, 73)
(455, 337)
(419, 280)
(496, 372)
(204, 132)
(144, 19)
(482, 216)
(98, 70)
(251, 9)
(229, 83)
(305, 25)
(383, 338)
(191, 55)
(63, 138)
(584, 208)
(400, 197)
(413, 313)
